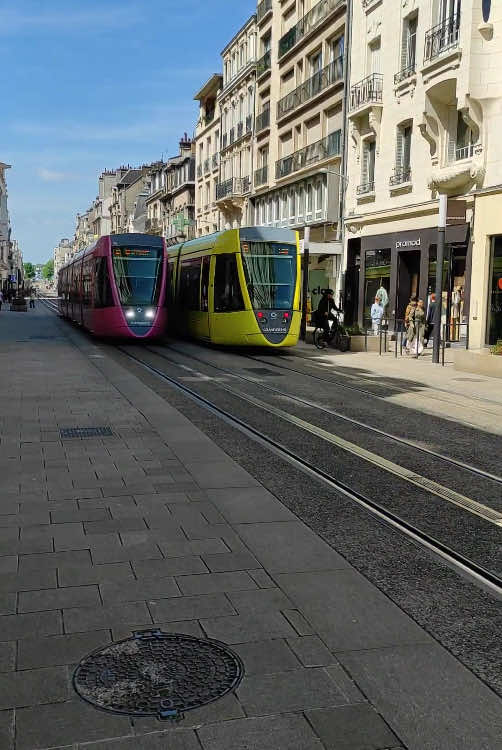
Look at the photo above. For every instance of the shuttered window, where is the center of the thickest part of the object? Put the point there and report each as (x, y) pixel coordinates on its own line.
(368, 166)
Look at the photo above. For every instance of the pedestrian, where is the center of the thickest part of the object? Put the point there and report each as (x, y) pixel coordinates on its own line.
(325, 311)
(376, 314)
(416, 329)
(409, 308)
(429, 323)
(32, 298)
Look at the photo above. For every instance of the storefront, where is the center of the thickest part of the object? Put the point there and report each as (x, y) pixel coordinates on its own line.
(324, 271)
(494, 316)
(404, 264)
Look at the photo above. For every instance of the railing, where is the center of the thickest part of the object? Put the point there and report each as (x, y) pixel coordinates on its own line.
(366, 187)
(400, 175)
(199, 170)
(465, 152)
(405, 73)
(206, 166)
(309, 21)
(263, 8)
(224, 140)
(261, 176)
(442, 37)
(326, 147)
(231, 136)
(215, 161)
(264, 63)
(249, 123)
(263, 120)
(234, 186)
(367, 91)
(240, 129)
(320, 81)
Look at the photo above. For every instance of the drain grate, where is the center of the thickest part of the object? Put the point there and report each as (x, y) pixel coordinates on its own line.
(157, 674)
(262, 371)
(66, 433)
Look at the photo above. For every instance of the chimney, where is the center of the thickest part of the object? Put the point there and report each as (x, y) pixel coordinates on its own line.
(185, 143)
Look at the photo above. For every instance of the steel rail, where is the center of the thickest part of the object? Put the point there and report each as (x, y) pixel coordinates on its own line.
(472, 570)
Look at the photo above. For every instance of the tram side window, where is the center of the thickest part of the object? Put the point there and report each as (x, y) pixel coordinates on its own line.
(190, 284)
(102, 290)
(86, 283)
(204, 284)
(227, 287)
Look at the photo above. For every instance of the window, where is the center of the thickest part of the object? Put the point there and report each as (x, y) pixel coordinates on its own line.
(374, 57)
(308, 211)
(102, 289)
(368, 166)
(137, 274)
(270, 271)
(337, 48)
(319, 199)
(403, 148)
(204, 284)
(227, 288)
(464, 140)
(409, 44)
(190, 284)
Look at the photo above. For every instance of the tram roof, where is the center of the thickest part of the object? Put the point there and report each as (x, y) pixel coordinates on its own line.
(252, 234)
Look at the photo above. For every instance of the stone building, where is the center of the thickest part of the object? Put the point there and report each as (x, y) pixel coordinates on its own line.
(99, 218)
(62, 254)
(237, 105)
(424, 114)
(84, 235)
(5, 229)
(207, 156)
(125, 192)
(299, 143)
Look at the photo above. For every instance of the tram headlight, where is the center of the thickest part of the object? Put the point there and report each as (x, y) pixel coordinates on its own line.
(150, 314)
(130, 314)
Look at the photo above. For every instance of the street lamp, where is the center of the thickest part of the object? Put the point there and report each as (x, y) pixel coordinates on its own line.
(436, 336)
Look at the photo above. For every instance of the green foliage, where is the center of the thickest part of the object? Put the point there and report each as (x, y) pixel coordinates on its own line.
(48, 270)
(497, 349)
(29, 270)
(354, 330)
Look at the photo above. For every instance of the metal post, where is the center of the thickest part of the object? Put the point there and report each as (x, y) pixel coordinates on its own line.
(436, 341)
(305, 285)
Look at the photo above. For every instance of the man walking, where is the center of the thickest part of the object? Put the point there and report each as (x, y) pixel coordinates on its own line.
(376, 316)
(429, 323)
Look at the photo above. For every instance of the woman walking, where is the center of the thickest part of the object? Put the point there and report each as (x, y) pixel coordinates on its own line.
(416, 329)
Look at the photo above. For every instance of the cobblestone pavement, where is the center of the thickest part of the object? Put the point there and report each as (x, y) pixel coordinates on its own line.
(156, 525)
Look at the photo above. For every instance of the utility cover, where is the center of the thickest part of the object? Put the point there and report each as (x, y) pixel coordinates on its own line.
(84, 432)
(157, 674)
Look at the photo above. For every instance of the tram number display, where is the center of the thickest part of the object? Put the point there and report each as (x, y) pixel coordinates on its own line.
(133, 252)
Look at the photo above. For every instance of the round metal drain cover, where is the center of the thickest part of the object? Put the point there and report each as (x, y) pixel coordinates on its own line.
(157, 674)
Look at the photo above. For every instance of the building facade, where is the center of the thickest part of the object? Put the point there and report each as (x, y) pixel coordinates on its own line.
(125, 192)
(4, 228)
(207, 156)
(62, 254)
(299, 143)
(420, 125)
(237, 107)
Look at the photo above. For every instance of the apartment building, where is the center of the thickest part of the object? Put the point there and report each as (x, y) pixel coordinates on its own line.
(207, 156)
(237, 107)
(124, 196)
(99, 217)
(62, 254)
(4, 228)
(154, 203)
(299, 142)
(84, 235)
(424, 109)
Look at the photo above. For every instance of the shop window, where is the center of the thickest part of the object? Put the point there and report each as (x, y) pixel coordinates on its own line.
(227, 288)
(494, 322)
(376, 275)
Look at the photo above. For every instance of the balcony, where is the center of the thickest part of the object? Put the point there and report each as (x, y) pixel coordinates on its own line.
(224, 140)
(209, 117)
(231, 136)
(405, 73)
(235, 187)
(206, 166)
(263, 120)
(400, 176)
(305, 157)
(153, 226)
(442, 38)
(331, 74)
(249, 123)
(366, 188)
(264, 64)
(215, 161)
(466, 152)
(366, 92)
(261, 176)
(199, 170)
(240, 130)
(308, 23)
(263, 8)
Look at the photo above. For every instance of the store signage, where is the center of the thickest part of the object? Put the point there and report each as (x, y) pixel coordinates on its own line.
(408, 243)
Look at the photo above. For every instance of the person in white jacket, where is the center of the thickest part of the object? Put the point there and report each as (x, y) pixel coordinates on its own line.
(376, 316)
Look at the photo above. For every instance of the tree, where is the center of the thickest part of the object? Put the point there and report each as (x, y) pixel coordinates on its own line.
(29, 270)
(48, 270)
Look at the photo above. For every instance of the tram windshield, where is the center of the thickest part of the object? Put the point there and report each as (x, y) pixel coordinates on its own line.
(137, 273)
(270, 270)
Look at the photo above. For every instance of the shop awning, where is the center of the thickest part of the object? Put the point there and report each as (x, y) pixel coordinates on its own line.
(323, 248)
(457, 234)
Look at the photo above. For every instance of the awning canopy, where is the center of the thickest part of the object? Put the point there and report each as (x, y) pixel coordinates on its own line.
(457, 234)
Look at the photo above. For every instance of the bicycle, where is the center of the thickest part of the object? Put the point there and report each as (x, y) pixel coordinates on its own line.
(336, 336)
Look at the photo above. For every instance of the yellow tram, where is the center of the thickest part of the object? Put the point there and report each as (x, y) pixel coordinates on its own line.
(239, 287)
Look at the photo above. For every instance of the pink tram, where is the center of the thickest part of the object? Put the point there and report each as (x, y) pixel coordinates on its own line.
(117, 287)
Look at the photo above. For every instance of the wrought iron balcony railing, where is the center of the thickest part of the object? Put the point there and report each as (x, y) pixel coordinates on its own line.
(264, 63)
(261, 176)
(249, 123)
(215, 161)
(224, 140)
(465, 152)
(365, 187)
(231, 136)
(405, 73)
(235, 186)
(400, 175)
(206, 166)
(263, 120)
(304, 157)
(240, 129)
(367, 91)
(442, 37)
(310, 20)
(263, 8)
(199, 170)
(320, 81)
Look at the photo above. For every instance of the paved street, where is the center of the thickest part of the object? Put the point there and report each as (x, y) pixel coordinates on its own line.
(156, 525)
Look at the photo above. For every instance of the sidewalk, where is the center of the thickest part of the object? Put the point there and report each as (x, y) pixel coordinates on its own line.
(157, 526)
(418, 383)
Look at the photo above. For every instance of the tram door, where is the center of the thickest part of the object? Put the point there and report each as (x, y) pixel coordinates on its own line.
(203, 323)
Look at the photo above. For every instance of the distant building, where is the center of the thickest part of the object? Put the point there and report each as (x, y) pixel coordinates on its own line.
(124, 195)
(4, 228)
(62, 254)
(207, 156)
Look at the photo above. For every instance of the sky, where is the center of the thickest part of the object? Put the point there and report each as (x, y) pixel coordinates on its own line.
(88, 86)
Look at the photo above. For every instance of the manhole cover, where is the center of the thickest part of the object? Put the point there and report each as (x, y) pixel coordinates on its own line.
(157, 674)
(85, 432)
(262, 371)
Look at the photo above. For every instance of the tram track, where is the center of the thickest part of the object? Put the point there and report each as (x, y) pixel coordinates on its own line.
(467, 567)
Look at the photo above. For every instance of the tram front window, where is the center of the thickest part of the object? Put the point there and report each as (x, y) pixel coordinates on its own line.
(270, 270)
(137, 273)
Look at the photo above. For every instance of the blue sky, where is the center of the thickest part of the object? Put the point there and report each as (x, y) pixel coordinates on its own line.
(92, 85)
